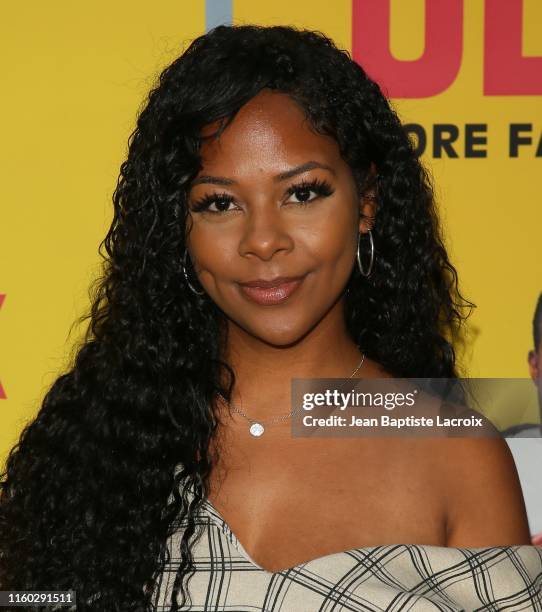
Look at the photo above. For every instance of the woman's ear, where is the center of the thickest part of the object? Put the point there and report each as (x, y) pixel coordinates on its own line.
(367, 213)
(368, 203)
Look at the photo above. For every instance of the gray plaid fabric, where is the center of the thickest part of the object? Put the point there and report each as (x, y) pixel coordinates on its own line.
(391, 577)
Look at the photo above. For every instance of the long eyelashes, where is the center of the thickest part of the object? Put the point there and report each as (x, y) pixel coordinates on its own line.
(320, 187)
(206, 201)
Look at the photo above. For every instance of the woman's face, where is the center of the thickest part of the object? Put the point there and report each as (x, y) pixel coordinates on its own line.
(280, 202)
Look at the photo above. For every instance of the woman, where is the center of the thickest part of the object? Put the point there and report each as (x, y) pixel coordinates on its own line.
(264, 163)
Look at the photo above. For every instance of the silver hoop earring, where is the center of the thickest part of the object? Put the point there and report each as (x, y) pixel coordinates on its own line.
(186, 275)
(362, 271)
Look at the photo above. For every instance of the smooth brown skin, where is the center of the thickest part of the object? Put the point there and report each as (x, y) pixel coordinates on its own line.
(289, 500)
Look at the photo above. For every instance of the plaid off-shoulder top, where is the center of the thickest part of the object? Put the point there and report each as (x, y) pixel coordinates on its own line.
(417, 578)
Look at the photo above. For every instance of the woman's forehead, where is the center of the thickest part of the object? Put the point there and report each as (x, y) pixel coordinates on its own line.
(272, 131)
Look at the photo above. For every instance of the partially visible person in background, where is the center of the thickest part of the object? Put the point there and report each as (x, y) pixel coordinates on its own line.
(525, 439)
(534, 358)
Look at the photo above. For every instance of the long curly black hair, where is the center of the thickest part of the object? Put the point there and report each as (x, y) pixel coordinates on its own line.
(92, 490)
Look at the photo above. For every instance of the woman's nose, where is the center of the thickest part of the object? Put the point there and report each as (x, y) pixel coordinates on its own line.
(265, 232)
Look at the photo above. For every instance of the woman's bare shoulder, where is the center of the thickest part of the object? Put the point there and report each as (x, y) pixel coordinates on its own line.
(483, 495)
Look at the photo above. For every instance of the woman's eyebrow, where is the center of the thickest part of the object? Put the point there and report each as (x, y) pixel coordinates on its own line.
(303, 168)
(222, 180)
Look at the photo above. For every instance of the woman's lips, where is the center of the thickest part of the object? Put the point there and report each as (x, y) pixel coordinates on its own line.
(272, 295)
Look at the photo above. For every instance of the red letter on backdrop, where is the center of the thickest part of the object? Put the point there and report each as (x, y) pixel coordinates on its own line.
(507, 72)
(428, 76)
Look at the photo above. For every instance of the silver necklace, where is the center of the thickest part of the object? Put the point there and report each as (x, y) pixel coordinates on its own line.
(256, 427)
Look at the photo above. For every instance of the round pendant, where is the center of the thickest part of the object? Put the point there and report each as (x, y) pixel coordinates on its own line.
(256, 429)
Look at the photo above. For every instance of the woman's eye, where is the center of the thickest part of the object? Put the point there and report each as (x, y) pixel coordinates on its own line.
(303, 195)
(302, 191)
(221, 202)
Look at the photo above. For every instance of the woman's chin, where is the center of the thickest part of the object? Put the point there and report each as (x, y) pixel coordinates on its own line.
(278, 335)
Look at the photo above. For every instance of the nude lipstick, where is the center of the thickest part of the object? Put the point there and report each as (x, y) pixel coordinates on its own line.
(274, 291)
